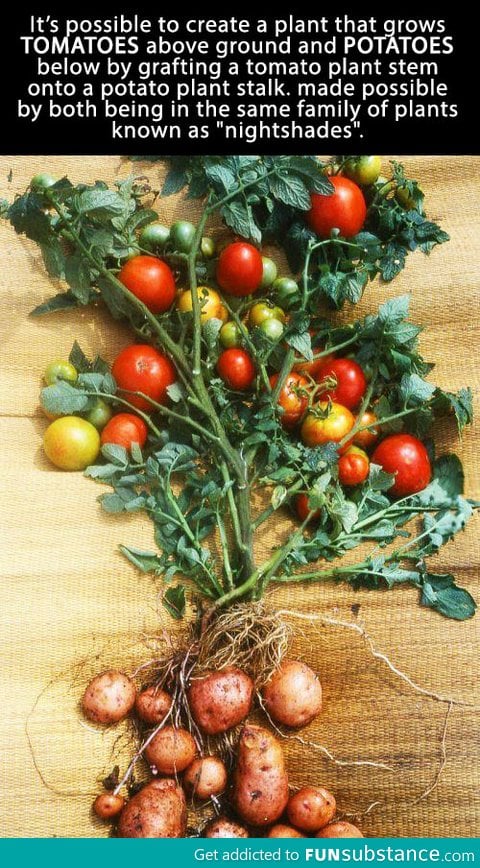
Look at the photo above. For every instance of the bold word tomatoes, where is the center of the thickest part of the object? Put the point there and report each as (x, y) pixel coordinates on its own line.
(407, 458)
(211, 306)
(236, 368)
(353, 466)
(292, 399)
(333, 426)
(302, 508)
(240, 268)
(344, 210)
(351, 382)
(150, 280)
(141, 368)
(125, 429)
(71, 443)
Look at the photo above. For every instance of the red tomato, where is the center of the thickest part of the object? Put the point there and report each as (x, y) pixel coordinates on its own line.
(344, 210)
(125, 429)
(317, 430)
(292, 398)
(151, 280)
(407, 457)
(302, 508)
(236, 368)
(240, 268)
(351, 383)
(353, 466)
(141, 368)
(369, 436)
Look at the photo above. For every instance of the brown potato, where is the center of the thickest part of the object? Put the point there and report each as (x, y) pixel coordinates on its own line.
(109, 697)
(260, 783)
(157, 811)
(311, 808)
(282, 831)
(171, 750)
(152, 705)
(205, 777)
(221, 700)
(293, 695)
(222, 827)
(108, 805)
(342, 829)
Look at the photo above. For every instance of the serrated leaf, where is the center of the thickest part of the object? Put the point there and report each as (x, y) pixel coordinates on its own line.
(440, 592)
(415, 390)
(63, 399)
(77, 275)
(302, 343)
(115, 454)
(106, 203)
(175, 392)
(278, 496)
(146, 562)
(53, 257)
(61, 301)
(291, 190)
(239, 217)
(448, 472)
(221, 175)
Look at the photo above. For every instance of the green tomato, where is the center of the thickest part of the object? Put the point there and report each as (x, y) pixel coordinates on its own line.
(154, 235)
(407, 200)
(259, 312)
(230, 335)
(41, 182)
(363, 170)
(60, 369)
(286, 291)
(269, 272)
(273, 329)
(99, 414)
(182, 234)
(207, 247)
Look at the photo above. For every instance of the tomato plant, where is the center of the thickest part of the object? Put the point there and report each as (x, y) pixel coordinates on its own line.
(406, 457)
(353, 466)
(350, 385)
(236, 369)
(368, 436)
(141, 368)
(240, 268)
(327, 421)
(71, 443)
(302, 508)
(125, 429)
(150, 280)
(210, 303)
(293, 398)
(344, 210)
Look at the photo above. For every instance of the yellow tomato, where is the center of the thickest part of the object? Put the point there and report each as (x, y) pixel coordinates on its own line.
(211, 304)
(71, 443)
(318, 429)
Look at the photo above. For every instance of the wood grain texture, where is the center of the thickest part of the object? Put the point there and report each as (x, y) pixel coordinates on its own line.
(71, 605)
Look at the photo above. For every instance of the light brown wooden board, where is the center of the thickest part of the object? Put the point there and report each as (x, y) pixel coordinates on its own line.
(70, 604)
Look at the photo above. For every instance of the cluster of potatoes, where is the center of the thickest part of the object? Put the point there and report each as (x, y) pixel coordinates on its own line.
(257, 791)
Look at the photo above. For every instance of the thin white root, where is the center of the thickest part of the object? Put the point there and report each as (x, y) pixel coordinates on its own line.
(379, 655)
(320, 747)
(443, 759)
(357, 814)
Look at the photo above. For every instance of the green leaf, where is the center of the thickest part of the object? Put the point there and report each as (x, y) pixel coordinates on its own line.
(77, 275)
(238, 216)
(291, 190)
(53, 257)
(174, 182)
(28, 218)
(278, 496)
(147, 562)
(61, 301)
(222, 176)
(448, 472)
(115, 454)
(414, 390)
(440, 592)
(302, 343)
(63, 399)
(460, 402)
(378, 480)
(101, 203)
(174, 601)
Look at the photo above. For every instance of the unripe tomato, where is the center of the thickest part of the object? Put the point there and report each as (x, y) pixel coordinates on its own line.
(286, 291)
(262, 310)
(333, 427)
(207, 247)
(99, 414)
(230, 335)
(236, 369)
(272, 328)
(71, 443)
(210, 301)
(240, 268)
(125, 429)
(302, 508)
(150, 280)
(406, 457)
(368, 437)
(351, 382)
(353, 466)
(293, 398)
(406, 199)
(269, 273)
(363, 170)
(345, 209)
(154, 236)
(182, 234)
(141, 368)
(42, 181)
(60, 369)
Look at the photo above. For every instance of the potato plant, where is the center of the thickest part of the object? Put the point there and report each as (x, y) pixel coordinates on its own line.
(237, 381)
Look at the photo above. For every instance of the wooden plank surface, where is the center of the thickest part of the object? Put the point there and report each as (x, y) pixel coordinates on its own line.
(71, 605)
